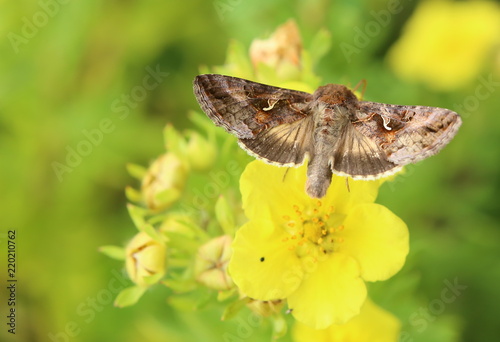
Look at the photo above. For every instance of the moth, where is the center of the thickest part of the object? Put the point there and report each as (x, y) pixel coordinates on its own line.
(331, 128)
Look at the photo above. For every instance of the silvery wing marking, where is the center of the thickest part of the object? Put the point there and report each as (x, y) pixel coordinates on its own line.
(273, 124)
(407, 134)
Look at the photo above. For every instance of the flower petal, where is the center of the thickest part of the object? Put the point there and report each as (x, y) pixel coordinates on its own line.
(345, 192)
(332, 292)
(262, 265)
(277, 190)
(267, 188)
(377, 239)
(373, 324)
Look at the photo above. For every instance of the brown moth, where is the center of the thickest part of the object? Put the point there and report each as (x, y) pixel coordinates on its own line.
(335, 131)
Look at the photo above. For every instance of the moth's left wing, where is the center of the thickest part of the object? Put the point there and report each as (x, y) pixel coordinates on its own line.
(245, 108)
(272, 123)
(407, 134)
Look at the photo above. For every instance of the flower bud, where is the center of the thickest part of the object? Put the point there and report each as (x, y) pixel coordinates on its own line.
(145, 259)
(283, 47)
(200, 152)
(211, 263)
(164, 182)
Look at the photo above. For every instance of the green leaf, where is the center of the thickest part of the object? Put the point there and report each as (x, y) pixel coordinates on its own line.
(223, 295)
(180, 285)
(133, 195)
(137, 214)
(320, 45)
(280, 327)
(167, 196)
(232, 309)
(151, 231)
(174, 142)
(129, 296)
(224, 216)
(136, 171)
(114, 252)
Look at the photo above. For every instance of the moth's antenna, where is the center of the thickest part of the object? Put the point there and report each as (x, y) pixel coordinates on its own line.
(347, 184)
(362, 82)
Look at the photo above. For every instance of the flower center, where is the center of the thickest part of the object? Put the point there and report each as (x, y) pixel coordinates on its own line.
(314, 230)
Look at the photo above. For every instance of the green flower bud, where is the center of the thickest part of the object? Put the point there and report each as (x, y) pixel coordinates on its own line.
(164, 182)
(145, 259)
(211, 263)
(200, 152)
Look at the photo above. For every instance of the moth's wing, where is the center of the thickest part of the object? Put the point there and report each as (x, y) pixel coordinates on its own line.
(287, 144)
(356, 155)
(407, 134)
(245, 108)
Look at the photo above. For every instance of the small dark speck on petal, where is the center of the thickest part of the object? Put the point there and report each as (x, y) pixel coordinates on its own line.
(262, 259)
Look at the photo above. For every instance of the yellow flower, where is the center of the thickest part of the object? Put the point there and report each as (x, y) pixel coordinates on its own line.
(315, 253)
(446, 43)
(145, 259)
(373, 324)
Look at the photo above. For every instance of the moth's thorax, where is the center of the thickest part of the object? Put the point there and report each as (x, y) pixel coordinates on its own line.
(334, 95)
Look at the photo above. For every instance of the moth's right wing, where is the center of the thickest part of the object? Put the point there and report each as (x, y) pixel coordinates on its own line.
(272, 123)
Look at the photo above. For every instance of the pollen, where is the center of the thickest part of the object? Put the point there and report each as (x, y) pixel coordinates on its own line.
(291, 224)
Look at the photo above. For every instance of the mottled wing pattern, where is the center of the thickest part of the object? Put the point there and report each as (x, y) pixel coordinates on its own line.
(245, 108)
(357, 155)
(406, 134)
(286, 144)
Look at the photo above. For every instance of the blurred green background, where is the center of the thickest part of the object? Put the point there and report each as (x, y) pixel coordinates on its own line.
(67, 69)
